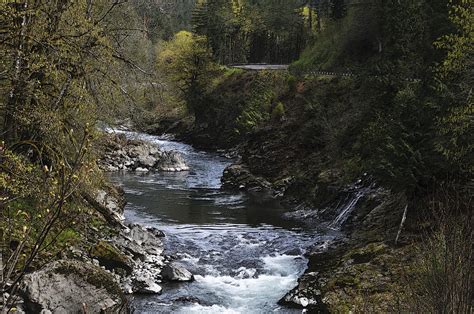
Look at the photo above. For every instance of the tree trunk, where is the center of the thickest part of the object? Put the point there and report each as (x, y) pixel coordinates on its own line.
(18, 85)
(310, 18)
(319, 17)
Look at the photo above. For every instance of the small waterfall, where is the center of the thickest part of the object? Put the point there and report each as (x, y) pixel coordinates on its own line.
(346, 209)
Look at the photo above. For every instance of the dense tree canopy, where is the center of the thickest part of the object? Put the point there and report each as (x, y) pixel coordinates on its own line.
(408, 57)
(251, 31)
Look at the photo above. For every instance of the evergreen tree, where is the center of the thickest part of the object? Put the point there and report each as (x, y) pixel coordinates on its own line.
(455, 83)
(254, 31)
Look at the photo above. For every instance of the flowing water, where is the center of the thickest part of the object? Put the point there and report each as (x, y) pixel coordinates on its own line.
(245, 257)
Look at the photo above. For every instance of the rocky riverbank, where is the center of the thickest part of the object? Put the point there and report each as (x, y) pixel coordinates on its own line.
(363, 269)
(115, 259)
(359, 271)
(128, 259)
(121, 153)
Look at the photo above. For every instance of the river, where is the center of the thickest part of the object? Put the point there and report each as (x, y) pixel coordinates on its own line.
(244, 255)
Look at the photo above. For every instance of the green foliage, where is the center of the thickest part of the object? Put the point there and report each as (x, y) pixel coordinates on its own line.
(38, 210)
(420, 133)
(109, 256)
(408, 133)
(455, 81)
(343, 43)
(186, 62)
(61, 68)
(393, 143)
(374, 37)
(292, 84)
(278, 112)
(440, 278)
(251, 31)
(68, 237)
(162, 19)
(265, 89)
(256, 108)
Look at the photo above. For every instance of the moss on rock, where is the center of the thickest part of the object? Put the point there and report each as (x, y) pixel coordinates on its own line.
(110, 257)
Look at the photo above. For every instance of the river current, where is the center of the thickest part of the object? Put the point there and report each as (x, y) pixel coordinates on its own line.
(244, 255)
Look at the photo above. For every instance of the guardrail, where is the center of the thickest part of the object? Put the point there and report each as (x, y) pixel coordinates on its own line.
(281, 67)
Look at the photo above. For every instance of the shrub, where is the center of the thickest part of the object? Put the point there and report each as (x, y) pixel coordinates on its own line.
(443, 274)
(278, 112)
(292, 84)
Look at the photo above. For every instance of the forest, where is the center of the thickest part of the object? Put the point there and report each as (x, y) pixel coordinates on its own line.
(361, 140)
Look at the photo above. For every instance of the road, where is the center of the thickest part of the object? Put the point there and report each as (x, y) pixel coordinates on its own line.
(284, 67)
(261, 66)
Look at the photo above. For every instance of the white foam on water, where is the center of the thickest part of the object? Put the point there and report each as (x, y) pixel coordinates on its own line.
(197, 308)
(189, 259)
(249, 242)
(283, 265)
(132, 191)
(246, 272)
(243, 295)
(229, 199)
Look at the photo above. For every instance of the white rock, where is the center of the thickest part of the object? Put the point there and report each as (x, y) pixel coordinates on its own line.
(151, 288)
(139, 169)
(176, 272)
(64, 287)
(304, 302)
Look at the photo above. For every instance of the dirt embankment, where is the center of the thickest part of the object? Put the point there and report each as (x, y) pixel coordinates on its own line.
(293, 159)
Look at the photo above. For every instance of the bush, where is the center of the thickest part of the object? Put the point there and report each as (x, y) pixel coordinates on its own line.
(292, 84)
(278, 112)
(443, 274)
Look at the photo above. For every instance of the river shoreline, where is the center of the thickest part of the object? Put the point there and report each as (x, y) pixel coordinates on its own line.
(231, 212)
(356, 243)
(365, 263)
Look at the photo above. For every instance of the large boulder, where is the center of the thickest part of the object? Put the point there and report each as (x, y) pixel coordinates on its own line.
(172, 161)
(140, 242)
(144, 153)
(109, 201)
(238, 176)
(112, 199)
(120, 153)
(176, 272)
(143, 281)
(72, 287)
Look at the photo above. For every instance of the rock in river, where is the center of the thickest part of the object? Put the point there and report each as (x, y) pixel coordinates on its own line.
(121, 153)
(172, 161)
(176, 272)
(238, 176)
(144, 247)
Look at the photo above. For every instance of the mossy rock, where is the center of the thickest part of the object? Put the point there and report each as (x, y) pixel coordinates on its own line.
(110, 257)
(343, 281)
(95, 276)
(329, 176)
(367, 253)
(69, 286)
